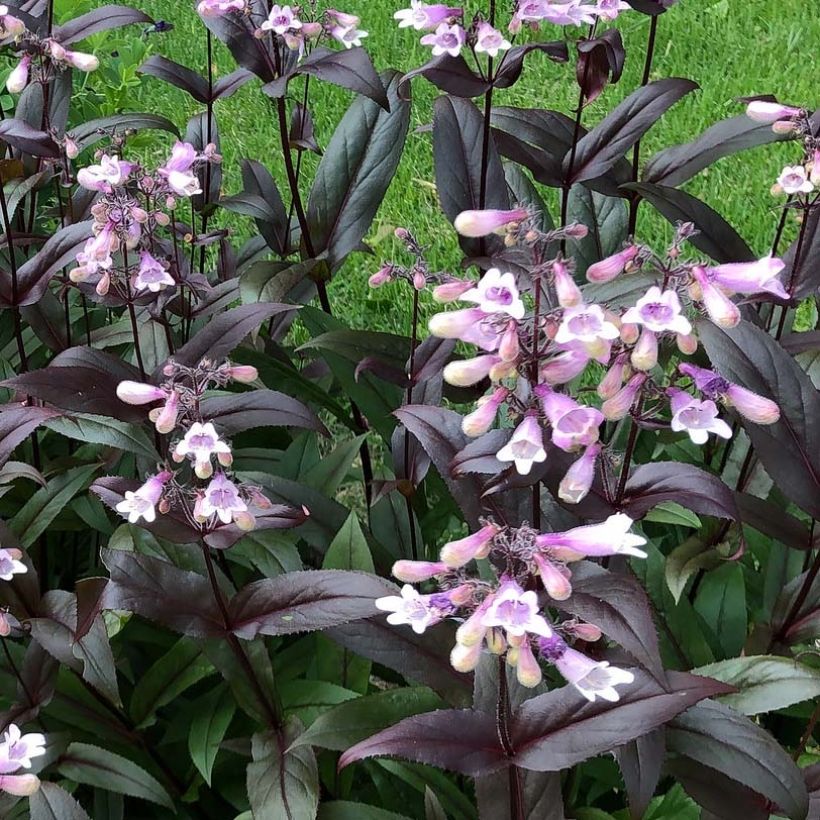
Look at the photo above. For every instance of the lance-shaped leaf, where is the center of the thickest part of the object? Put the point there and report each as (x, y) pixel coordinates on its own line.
(559, 729)
(678, 164)
(802, 276)
(717, 736)
(352, 69)
(458, 131)
(50, 802)
(716, 237)
(789, 448)
(212, 719)
(796, 616)
(540, 794)
(305, 602)
(237, 32)
(272, 219)
(509, 71)
(28, 140)
(228, 85)
(260, 408)
(606, 220)
(599, 151)
(423, 658)
(88, 133)
(640, 762)
(355, 173)
(181, 600)
(105, 431)
(600, 60)
(770, 519)
(458, 740)
(449, 74)
(101, 19)
(275, 517)
(177, 75)
(17, 423)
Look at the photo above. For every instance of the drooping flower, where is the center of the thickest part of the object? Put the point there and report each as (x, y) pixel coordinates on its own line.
(750, 405)
(217, 8)
(762, 111)
(10, 564)
(645, 353)
(607, 269)
(564, 366)
(794, 179)
(18, 79)
(586, 324)
(447, 39)
(482, 223)
(140, 393)
(165, 417)
(81, 61)
(610, 537)
(568, 293)
(526, 447)
(466, 372)
(423, 16)
(719, 307)
(414, 572)
(612, 382)
(573, 425)
(660, 312)
(490, 40)
(527, 670)
(202, 442)
(281, 19)
(348, 36)
(577, 482)
(178, 170)
(482, 418)
(616, 407)
(152, 275)
(497, 292)
(411, 608)
(111, 173)
(697, 418)
(10, 26)
(471, 325)
(142, 503)
(458, 553)
(751, 277)
(516, 612)
(555, 577)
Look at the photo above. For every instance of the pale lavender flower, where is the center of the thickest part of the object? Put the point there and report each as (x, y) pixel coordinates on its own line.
(222, 499)
(421, 16)
(447, 39)
(516, 612)
(719, 307)
(466, 372)
(281, 19)
(698, 418)
(610, 9)
(451, 291)
(202, 442)
(762, 111)
(81, 61)
(142, 503)
(140, 393)
(607, 269)
(10, 564)
(411, 608)
(178, 170)
(526, 447)
(616, 407)
(577, 482)
(414, 572)
(751, 277)
(165, 417)
(611, 537)
(152, 275)
(477, 545)
(17, 749)
(794, 179)
(10, 26)
(568, 293)
(471, 325)
(497, 292)
(586, 324)
(659, 312)
(111, 173)
(348, 36)
(217, 8)
(573, 425)
(564, 366)
(18, 79)
(482, 418)
(490, 40)
(555, 577)
(570, 14)
(645, 353)
(482, 223)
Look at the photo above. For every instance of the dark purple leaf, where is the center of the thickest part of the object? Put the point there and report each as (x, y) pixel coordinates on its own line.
(100, 19)
(717, 736)
(382, 370)
(796, 616)
(88, 133)
(479, 456)
(177, 75)
(449, 74)
(237, 32)
(17, 424)
(305, 602)
(159, 591)
(50, 802)
(540, 794)
(651, 7)
(28, 140)
(431, 356)
(640, 762)
(802, 278)
(276, 517)
(559, 729)
(272, 218)
(260, 408)
(678, 164)
(716, 237)
(512, 65)
(599, 151)
(302, 136)
(355, 173)
(89, 592)
(600, 61)
(789, 448)
(228, 85)
(458, 740)
(770, 519)
(203, 130)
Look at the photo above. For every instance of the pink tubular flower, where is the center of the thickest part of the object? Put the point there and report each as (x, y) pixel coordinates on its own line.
(607, 269)
(490, 40)
(794, 179)
(10, 26)
(178, 170)
(10, 564)
(348, 36)
(470, 325)
(577, 482)
(109, 174)
(243, 373)
(466, 372)
(586, 324)
(510, 347)
(451, 291)
(573, 425)
(527, 670)
(414, 572)
(139, 393)
(516, 612)
(568, 293)
(447, 39)
(659, 312)
(762, 111)
(751, 277)
(202, 441)
(719, 307)
(610, 9)
(554, 577)
(619, 405)
(755, 408)
(482, 418)
(281, 19)
(81, 61)
(421, 16)
(411, 608)
(222, 499)
(482, 223)
(645, 353)
(611, 537)
(564, 367)
(142, 503)
(19, 785)
(526, 447)
(698, 418)
(457, 553)
(217, 8)
(497, 292)
(465, 658)
(152, 275)
(381, 277)
(165, 417)
(614, 378)
(18, 79)
(570, 14)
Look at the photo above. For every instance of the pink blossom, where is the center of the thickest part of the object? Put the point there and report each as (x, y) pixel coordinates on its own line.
(610, 9)
(568, 293)
(423, 16)
(482, 418)
(348, 36)
(611, 537)
(607, 269)
(414, 572)
(10, 564)
(573, 425)
(81, 61)
(465, 372)
(593, 679)
(587, 324)
(482, 223)
(497, 292)
(794, 179)
(465, 658)
(516, 612)
(471, 325)
(577, 482)
(619, 405)
(411, 608)
(490, 40)
(19, 785)
(17, 749)
(142, 503)
(457, 553)
(451, 291)
(381, 277)
(152, 275)
(762, 111)
(719, 307)
(697, 418)
(554, 577)
(526, 447)
(510, 346)
(570, 14)
(202, 442)
(750, 405)
(216, 8)
(139, 393)
(447, 39)
(222, 499)
(751, 277)
(243, 373)
(18, 79)
(178, 170)
(165, 417)
(111, 173)
(10, 26)
(659, 312)
(565, 366)
(645, 353)
(527, 670)
(281, 19)
(531, 11)
(614, 378)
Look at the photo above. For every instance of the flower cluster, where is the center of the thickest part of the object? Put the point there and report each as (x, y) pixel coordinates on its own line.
(16, 752)
(506, 616)
(221, 500)
(126, 254)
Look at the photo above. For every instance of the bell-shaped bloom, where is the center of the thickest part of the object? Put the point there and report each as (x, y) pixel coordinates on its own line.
(421, 16)
(17, 749)
(222, 499)
(165, 417)
(414, 572)
(446, 39)
(458, 553)
(577, 482)
(18, 79)
(589, 633)
(471, 325)
(152, 275)
(281, 19)
(531, 11)
(794, 179)
(611, 537)
(751, 406)
(526, 447)
(497, 292)
(348, 36)
(719, 307)
(527, 670)
(568, 293)
(81, 61)
(571, 13)
(490, 40)
(140, 393)
(659, 312)
(483, 417)
(10, 26)
(707, 381)
(217, 8)
(381, 277)
(607, 269)
(610, 9)
(464, 372)
(142, 503)
(451, 291)
(698, 418)
(202, 442)
(573, 425)
(111, 173)
(342, 18)
(483, 223)
(751, 277)
(10, 563)
(593, 679)
(516, 612)
(614, 378)
(586, 324)
(554, 577)
(178, 170)
(411, 608)
(465, 658)
(762, 111)
(565, 366)
(620, 404)
(645, 353)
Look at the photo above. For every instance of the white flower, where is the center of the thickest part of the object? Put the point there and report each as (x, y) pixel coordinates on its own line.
(698, 418)
(182, 183)
(516, 612)
(10, 564)
(593, 679)
(281, 19)
(585, 323)
(411, 608)
(17, 749)
(446, 40)
(611, 537)
(659, 312)
(525, 447)
(110, 173)
(202, 441)
(348, 36)
(142, 503)
(497, 292)
(222, 499)
(490, 40)
(794, 179)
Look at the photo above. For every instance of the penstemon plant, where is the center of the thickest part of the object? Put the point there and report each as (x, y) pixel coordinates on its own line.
(590, 465)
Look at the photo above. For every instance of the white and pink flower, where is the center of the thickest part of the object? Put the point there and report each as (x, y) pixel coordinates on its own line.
(447, 39)
(698, 418)
(490, 40)
(659, 312)
(421, 16)
(611, 537)
(10, 564)
(202, 442)
(222, 500)
(111, 173)
(497, 292)
(281, 20)
(526, 447)
(142, 503)
(152, 275)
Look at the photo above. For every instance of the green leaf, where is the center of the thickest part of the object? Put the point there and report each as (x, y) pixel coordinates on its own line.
(308, 699)
(685, 560)
(272, 553)
(765, 683)
(432, 807)
(213, 715)
(349, 549)
(267, 281)
(47, 503)
(605, 216)
(346, 810)
(721, 601)
(354, 720)
(328, 475)
(50, 802)
(103, 769)
(178, 669)
(92, 429)
(283, 782)
(669, 512)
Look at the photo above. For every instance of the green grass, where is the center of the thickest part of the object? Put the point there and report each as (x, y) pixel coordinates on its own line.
(730, 47)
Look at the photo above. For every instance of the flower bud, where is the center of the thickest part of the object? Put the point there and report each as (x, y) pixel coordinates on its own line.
(687, 344)
(568, 293)
(762, 111)
(414, 572)
(465, 658)
(619, 405)
(466, 372)
(19, 785)
(527, 669)
(82, 62)
(451, 291)
(720, 308)
(18, 79)
(225, 459)
(203, 469)
(312, 30)
(501, 371)
(785, 128)
(457, 553)
(576, 230)
(482, 418)
(481, 223)
(71, 148)
(104, 284)
(755, 408)
(614, 378)
(381, 277)
(564, 367)
(162, 219)
(243, 373)
(629, 333)
(584, 632)
(245, 521)
(139, 393)
(165, 418)
(509, 347)
(607, 269)
(472, 631)
(496, 643)
(554, 578)
(645, 353)
(419, 280)
(577, 482)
